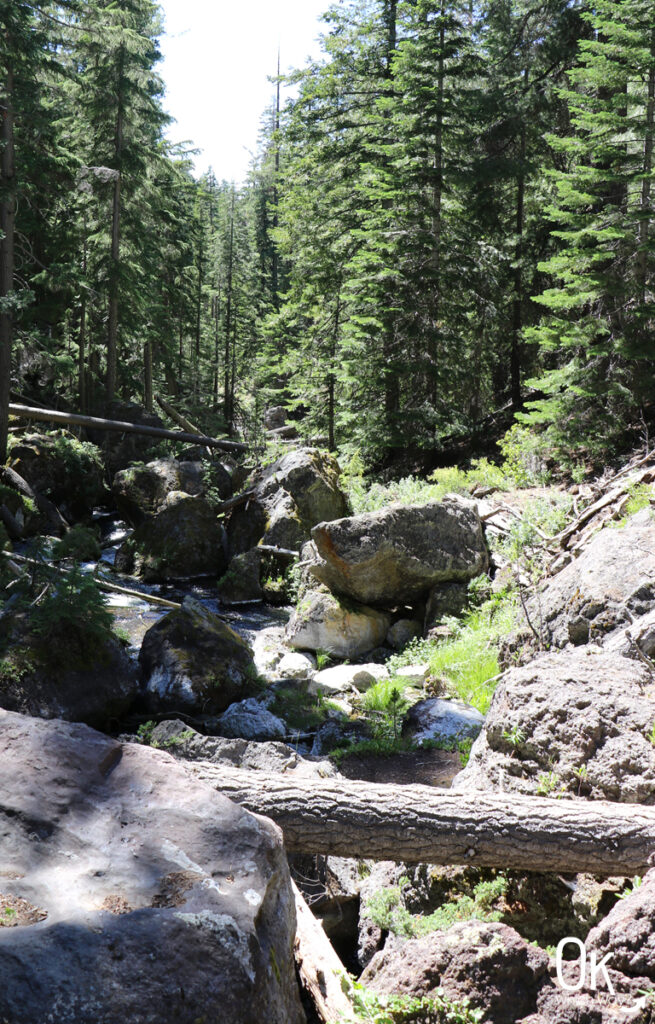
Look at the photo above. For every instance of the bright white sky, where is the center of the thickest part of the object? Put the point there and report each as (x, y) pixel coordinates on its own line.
(218, 55)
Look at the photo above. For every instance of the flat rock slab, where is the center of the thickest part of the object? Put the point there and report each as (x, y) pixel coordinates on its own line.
(153, 898)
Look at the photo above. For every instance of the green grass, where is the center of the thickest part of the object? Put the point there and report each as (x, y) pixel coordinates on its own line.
(468, 661)
(378, 1008)
(412, 490)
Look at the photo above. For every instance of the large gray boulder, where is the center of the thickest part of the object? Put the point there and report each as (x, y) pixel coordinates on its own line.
(576, 722)
(192, 660)
(185, 539)
(323, 623)
(444, 721)
(139, 893)
(250, 720)
(141, 490)
(609, 585)
(398, 554)
(289, 497)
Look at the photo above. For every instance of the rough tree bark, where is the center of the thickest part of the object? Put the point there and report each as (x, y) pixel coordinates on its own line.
(7, 221)
(422, 824)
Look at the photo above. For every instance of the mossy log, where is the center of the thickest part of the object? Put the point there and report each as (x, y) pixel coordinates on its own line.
(422, 824)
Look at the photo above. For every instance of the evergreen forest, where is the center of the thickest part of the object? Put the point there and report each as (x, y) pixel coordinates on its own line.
(450, 221)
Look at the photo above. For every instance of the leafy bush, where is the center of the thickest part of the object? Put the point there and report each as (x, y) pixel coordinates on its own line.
(377, 1008)
(524, 453)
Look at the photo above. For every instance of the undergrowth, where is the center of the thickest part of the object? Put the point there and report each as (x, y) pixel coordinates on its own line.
(378, 1008)
(387, 909)
(466, 661)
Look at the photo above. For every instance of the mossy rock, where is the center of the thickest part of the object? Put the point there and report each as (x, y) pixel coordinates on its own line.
(191, 659)
(60, 467)
(185, 539)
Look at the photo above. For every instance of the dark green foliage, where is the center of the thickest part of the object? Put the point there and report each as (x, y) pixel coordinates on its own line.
(72, 619)
(80, 543)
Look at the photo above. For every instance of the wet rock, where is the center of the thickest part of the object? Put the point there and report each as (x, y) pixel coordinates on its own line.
(323, 623)
(241, 582)
(609, 585)
(345, 678)
(398, 554)
(184, 539)
(446, 721)
(486, 962)
(250, 720)
(141, 491)
(177, 904)
(576, 721)
(191, 659)
(402, 632)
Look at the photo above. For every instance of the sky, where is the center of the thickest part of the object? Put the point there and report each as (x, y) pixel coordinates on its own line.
(218, 55)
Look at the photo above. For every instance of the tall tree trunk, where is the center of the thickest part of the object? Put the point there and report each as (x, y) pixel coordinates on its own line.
(645, 213)
(391, 379)
(81, 338)
(275, 271)
(112, 329)
(198, 321)
(216, 311)
(437, 199)
(227, 410)
(332, 376)
(517, 305)
(7, 223)
(147, 374)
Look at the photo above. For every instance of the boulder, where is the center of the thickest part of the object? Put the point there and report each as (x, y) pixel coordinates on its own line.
(323, 623)
(184, 539)
(577, 722)
(250, 720)
(296, 666)
(485, 962)
(628, 932)
(413, 675)
(140, 491)
(402, 632)
(191, 659)
(398, 554)
(68, 472)
(289, 497)
(241, 582)
(94, 682)
(444, 600)
(445, 721)
(140, 893)
(275, 417)
(269, 648)
(345, 678)
(609, 585)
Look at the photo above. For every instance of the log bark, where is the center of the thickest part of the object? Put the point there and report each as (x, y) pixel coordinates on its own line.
(422, 824)
(96, 423)
(319, 966)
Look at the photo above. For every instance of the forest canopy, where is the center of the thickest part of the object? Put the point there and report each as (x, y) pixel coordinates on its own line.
(453, 215)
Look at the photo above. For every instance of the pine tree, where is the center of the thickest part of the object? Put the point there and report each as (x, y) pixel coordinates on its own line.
(598, 333)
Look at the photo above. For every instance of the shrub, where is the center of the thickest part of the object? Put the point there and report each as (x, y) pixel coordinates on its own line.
(72, 620)
(388, 911)
(80, 543)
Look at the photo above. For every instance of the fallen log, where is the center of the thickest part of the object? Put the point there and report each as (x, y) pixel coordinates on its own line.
(69, 419)
(423, 824)
(177, 417)
(321, 972)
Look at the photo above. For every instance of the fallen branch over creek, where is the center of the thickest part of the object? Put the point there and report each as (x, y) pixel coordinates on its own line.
(422, 824)
(96, 423)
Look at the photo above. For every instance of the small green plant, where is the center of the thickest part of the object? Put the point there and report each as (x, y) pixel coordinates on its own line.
(515, 736)
(639, 497)
(144, 733)
(651, 735)
(464, 748)
(547, 783)
(323, 659)
(9, 913)
(581, 773)
(385, 699)
(636, 884)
